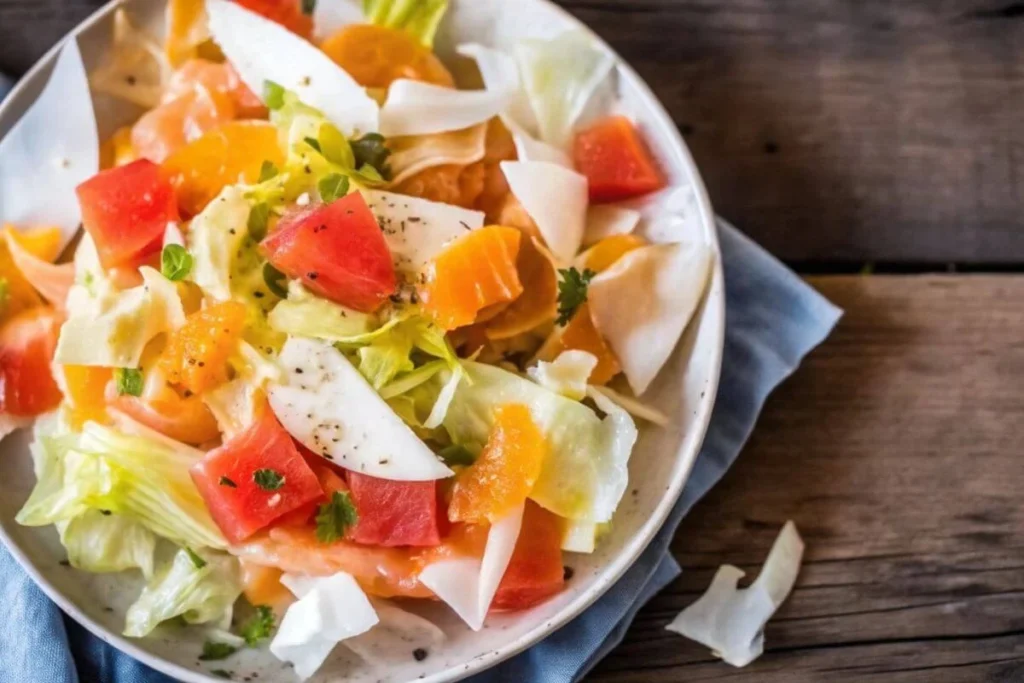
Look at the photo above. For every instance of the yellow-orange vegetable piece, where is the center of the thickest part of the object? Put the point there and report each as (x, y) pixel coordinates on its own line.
(227, 155)
(196, 356)
(117, 150)
(580, 334)
(186, 29)
(375, 56)
(475, 271)
(86, 393)
(504, 474)
(539, 301)
(18, 293)
(605, 253)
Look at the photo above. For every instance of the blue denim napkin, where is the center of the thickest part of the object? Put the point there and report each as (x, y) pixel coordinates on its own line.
(773, 319)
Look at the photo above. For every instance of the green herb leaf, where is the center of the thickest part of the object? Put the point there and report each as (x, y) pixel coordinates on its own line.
(572, 292)
(213, 652)
(221, 673)
(331, 187)
(268, 480)
(259, 218)
(260, 627)
(456, 455)
(273, 95)
(224, 481)
(371, 150)
(129, 382)
(267, 171)
(197, 561)
(314, 143)
(308, 7)
(335, 517)
(275, 280)
(175, 262)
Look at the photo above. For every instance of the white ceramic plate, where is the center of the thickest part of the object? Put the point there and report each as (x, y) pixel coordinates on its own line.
(658, 469)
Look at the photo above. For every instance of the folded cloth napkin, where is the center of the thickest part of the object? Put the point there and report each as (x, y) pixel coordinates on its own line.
(773, 319)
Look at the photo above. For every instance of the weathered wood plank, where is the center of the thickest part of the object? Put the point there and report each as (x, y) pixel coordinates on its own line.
(839, 130)
(896, 449)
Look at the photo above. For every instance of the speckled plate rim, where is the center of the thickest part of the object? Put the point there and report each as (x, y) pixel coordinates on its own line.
(690, 448)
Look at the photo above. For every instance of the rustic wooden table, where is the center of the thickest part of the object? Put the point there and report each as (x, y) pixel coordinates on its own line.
(847, 136)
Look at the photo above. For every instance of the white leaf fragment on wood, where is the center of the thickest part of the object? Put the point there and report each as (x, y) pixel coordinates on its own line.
(730, 620)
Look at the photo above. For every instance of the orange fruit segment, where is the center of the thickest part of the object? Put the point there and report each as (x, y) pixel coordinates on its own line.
(196, 356)
(475, 271)
(539, 301)
(376, 56)
(448, 184)
(605, 253)
(504, 474)
(186, 29)
(172, 125)
(227, 155)
(117, 150)
(581, 335)
(16, 293)
(86, 389)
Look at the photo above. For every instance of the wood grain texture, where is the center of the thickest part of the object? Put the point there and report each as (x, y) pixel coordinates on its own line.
(837, 130)
(896, 449)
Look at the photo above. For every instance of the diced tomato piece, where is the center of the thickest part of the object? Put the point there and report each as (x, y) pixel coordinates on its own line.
(288, 13)
(615, 161)
(126, 211)
(245, 508)
(337, 250)
(535, 572)
(330, 481)
(394, 513)
(27, 343)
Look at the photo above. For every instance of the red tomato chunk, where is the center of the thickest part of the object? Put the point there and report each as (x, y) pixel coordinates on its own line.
(535, 572)
(337, 250)
(615, 161)
(394, 513)
(126, 211)
(226, 478)
(27, 343)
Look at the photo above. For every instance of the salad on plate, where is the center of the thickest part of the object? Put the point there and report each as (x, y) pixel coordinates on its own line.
(336, 325)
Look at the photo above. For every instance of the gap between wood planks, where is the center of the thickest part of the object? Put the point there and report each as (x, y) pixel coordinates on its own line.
(896, 448)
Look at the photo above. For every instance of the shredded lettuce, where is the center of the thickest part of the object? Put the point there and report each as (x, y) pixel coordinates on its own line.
(304, 314)
(140, 478)
(585, 473)
(560, 76)
(419, 18)
(101, 542)
(198, 594)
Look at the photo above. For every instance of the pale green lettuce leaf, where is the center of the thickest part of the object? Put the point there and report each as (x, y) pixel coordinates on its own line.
(420, 18)
(141, 478)
(111, 329)
(585, 472)
(304, 314)
(103, 543)
(560, 76)
(199, 595)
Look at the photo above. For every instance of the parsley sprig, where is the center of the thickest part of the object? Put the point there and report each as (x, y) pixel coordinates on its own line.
(572, 292)
(335, 517)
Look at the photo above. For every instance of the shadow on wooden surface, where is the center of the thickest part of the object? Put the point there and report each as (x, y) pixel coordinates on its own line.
(896, 449)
